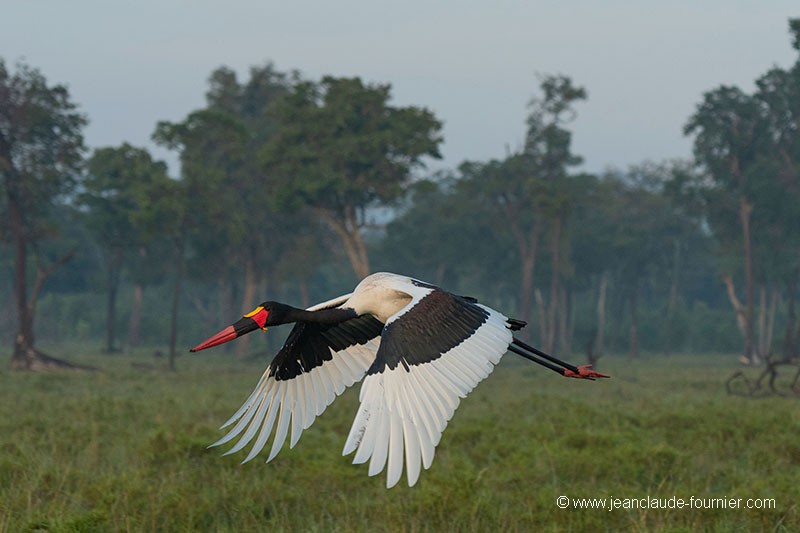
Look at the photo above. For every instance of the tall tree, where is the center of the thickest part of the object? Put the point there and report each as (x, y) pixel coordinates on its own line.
(530, 191)
(163, 216)
(748, 146)
(644, 243)
(779, 94)
(231, 217)
(728, 129)
(340, 148)
(41, 150)
(109, 197)
(512, 188)
(548, 153)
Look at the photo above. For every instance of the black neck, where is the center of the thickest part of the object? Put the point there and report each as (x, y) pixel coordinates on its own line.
(323, 316)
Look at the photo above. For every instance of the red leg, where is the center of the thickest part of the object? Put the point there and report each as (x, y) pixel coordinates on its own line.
(584, 372)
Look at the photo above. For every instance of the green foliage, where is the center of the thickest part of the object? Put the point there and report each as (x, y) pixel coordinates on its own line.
(749, 147)
(41, 151)
(120, 191)
(341, 149)
(229, 215)
(794, 28)
(41, 141)
(125, 449)
(448, 236)
(341, 144)
(213, 153)
(548, 143)
(110, 194)
(726, 126)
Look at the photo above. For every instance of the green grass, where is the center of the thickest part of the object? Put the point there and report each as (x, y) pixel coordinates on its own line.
(125, 450)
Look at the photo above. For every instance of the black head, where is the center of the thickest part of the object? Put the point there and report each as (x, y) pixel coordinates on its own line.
(277, 313)
(265, 315)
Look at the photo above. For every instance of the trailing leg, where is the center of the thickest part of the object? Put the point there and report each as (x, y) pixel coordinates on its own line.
(553, 363)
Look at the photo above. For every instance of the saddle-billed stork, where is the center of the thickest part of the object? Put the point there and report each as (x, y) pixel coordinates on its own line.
(421, 348)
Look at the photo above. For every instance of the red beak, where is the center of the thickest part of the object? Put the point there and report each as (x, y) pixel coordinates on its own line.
(250, 322)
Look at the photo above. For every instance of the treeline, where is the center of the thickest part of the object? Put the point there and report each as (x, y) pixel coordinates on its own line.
(294, 189)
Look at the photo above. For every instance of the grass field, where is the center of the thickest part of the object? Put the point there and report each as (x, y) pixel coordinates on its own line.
(125, 450)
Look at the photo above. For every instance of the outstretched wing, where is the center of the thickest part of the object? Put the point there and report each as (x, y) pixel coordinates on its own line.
(432, 353)
(315, 364)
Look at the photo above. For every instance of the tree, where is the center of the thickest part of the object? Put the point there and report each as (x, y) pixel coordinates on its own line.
(644, 245)
(749, 148)
(460, 247)
(548, 152)
(163, 215)
(729, 132)
(213, 153)
(41, 150)
(341, 149)
(514, 190)
(232, 223)
(533, 192)
(779, 94)
(109, 198)
(594, 222)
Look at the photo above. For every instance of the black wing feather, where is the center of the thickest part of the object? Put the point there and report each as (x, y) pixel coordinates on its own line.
(309, 344)
(439, 322)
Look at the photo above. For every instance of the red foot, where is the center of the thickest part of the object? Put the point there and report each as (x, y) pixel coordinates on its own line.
(584, 373)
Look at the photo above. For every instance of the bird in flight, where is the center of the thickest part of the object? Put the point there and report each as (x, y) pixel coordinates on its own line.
(418, 348)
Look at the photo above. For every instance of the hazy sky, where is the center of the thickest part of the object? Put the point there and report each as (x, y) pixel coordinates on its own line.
(645, 64)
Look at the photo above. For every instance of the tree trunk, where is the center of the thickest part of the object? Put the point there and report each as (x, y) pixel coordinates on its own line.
(248, 303)
(773, 304)
(618, 322)
(353, 227)
(134, 334)
(564, 320)
(741, 319)
(114, 265)
(789, 337)
(601, 313)
(526, 288)
(176, 298)
(633, 332)
(23, 339)
(349, 232)
(542, 315)
(361, 267)
(134, 328)
(762, 321)
(745, 212)
(111, 318)
(25, 355)
(528, 251)
(555, 258)
(673, 297)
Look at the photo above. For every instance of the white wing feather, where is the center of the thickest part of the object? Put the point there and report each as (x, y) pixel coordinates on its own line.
(404, 412)
(298, 401)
